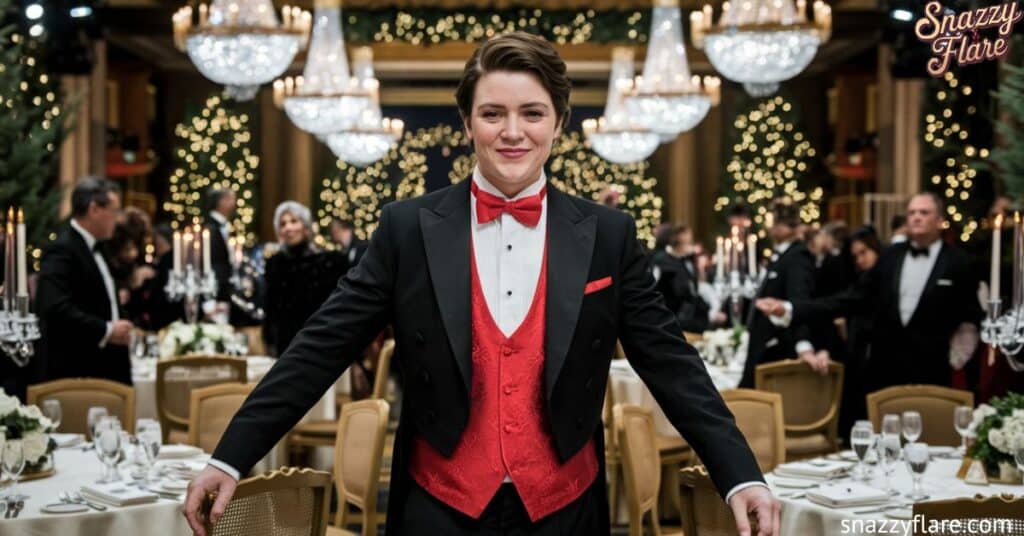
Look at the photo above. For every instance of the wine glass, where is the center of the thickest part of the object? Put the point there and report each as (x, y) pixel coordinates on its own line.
(1018, 457)
(13, 463)
(911, 422)
(150, 437)
(152, 346)
(916, 456)
(891, 425)
(108, 446)
(861, 438)
(93, 417)
(963, 416)
(51, 409)
(889, 448)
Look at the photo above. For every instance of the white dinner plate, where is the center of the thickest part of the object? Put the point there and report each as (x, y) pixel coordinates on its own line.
(63, 508)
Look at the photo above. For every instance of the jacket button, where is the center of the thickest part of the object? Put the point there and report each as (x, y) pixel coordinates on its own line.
(596, 345)
(508, 428)
(419, 338)
(507, 350)
(425, 377)
(508, 389)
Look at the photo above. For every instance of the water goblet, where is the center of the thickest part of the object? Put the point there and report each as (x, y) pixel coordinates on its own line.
(916, 456)
(13, 464)
(93, 417)
(963, 416)
(911, 424)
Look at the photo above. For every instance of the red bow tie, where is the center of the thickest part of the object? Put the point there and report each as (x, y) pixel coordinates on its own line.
(525, 210)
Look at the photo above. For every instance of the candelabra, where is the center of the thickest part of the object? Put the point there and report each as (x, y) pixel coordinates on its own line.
(18, 330)
(245, 276)
(735, 288)
(1006, 332)
(189, 285)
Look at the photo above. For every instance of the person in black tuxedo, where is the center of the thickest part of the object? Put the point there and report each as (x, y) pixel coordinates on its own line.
(923, 301)
(788, 275)
(675, 270)
(454, 272)
(83, 333)
(220, 208)
(343, 234)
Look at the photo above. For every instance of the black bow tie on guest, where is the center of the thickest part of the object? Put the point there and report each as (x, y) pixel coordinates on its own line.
(914, 251)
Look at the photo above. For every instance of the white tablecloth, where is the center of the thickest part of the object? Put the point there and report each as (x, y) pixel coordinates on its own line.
(800, 516)
(76, 468)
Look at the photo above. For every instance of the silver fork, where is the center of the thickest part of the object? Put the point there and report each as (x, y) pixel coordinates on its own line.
(17, 508)
(76, 498)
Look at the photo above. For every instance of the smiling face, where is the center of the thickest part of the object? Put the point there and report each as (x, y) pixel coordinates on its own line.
(291, 231)
(513, 125)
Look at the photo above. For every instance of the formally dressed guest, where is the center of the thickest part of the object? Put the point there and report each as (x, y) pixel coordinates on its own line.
(833, 272)
(299, 277)
(83, 331)
(343, 234)
(922, 299)
(898, 229)
(150, 307)
(221, 203)
(507, 297)
(124, 254)
(675, 269)
(788, 275)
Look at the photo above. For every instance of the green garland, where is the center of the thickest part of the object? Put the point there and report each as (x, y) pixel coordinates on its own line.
(432, 26)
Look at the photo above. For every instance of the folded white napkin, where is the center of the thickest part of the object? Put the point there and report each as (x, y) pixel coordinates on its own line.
(847, 494)
(67, 440)
(817, 469)
(174, 452)
(117, 494)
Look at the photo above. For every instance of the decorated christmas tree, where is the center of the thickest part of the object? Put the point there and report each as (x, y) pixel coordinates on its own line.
(1009, 156)
(33, 123)
(771, 159)
(214, 150)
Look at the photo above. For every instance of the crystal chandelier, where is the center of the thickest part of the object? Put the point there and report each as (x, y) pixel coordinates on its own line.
(373, 135)
(324, 99)
(760, 43)
(614, 136)
(667, 99)
(239, 43)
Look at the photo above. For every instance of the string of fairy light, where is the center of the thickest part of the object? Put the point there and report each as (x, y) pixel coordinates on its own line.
(768, 163)
(955, 179)
(358, 194)
(214, 151)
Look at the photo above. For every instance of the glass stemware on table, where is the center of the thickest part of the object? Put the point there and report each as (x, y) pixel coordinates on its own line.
(149, 436)
(52, 410)
(12, 461)
(93, 418)
(889, 449)
(963, 417)
(911, 426)
(917, 456)
(107, 441)
(862, 437)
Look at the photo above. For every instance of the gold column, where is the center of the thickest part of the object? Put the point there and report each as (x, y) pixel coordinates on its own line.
(899, 129)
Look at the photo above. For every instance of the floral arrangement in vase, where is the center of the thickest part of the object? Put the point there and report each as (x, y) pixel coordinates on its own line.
(28, 424)
(726, 346)
(201, 338)
(999, 432)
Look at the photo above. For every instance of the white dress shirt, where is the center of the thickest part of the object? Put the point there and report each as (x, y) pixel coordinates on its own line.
(108, 281)
(914, 277)
(509, 258)
(803, 345)
(225, 225)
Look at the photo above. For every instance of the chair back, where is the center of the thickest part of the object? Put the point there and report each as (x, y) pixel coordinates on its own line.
(704, 512)
(175, 380)
(692, 337)
(380, 381)
(210, 411)
(358, 450)
(641, 464)
(935, 404)
(77, 395)
(810, 401)
(285, 502)
(254, 339)
(1003, 513)
(758, 415)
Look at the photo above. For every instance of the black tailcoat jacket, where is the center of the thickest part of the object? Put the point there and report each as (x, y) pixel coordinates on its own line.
(415, 275)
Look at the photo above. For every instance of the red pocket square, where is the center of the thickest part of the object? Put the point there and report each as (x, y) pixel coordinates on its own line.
(597, 285)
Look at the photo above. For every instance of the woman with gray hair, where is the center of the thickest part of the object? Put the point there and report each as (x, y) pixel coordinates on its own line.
(299, 277)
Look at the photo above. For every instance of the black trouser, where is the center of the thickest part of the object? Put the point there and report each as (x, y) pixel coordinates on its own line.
(505, 515)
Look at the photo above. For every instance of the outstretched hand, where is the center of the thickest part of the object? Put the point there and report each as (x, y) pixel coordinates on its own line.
(210, 480)
(759, 501)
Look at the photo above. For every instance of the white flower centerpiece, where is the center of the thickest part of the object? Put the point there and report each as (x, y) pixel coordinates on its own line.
(727, 346)
(999, 433)
(201, 338)
(28, 424)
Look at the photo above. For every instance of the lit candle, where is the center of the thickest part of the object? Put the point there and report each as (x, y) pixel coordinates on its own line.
(176, 255)
(9, 262)
(239, 254)
(728, 255)
(719, 258)
(752, 254)
(206, 251)
(1015, 299)
(203, 13)
(993, 278)
(187, 249)
(197, 243)
(19, 248)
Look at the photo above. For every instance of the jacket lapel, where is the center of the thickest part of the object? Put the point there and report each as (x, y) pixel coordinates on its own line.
(570, 246)
(89, 261)
(446, 236)
(901, 255)
(938, 269)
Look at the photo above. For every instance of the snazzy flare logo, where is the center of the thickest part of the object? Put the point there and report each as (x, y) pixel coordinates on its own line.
(956, 36)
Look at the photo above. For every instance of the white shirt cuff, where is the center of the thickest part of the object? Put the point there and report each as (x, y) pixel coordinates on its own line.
(106, 338)
(786, 319)
(732, 492)
(231, 471)
(804, 346)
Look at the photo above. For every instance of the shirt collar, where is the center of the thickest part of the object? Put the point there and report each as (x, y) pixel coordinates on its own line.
(485, 185)
(781, 248)
(219, 217)
(90, 240)
(933, 249)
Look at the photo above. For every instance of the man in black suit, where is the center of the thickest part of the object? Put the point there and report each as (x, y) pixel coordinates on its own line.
(221, 204)
(477, 258)
(343, 234)
(923, 300)
(789, 275)
(80, 318)
(675, 271)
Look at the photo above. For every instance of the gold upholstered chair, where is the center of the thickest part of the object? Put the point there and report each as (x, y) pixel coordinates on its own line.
(810, 404)
(357, 459)
(254, 339)
(759, 417)
(935, 404)
(641, 465)
(380, 380)
(77, 395)
(285, 502)
(211, 409)
(1004, 514)
(704, 511)
(175, 380)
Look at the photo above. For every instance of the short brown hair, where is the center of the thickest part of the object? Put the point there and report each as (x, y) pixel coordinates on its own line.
(517, 51)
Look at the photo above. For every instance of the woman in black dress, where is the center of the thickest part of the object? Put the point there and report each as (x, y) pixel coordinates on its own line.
(299, 277)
